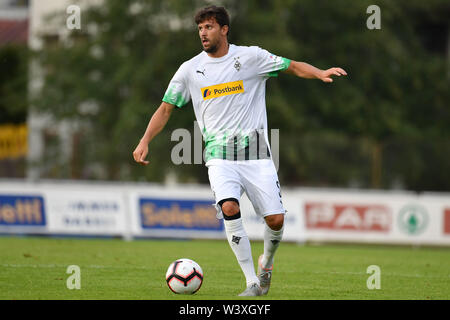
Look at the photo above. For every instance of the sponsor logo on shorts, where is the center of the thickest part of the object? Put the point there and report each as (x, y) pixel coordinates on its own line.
(223, 89)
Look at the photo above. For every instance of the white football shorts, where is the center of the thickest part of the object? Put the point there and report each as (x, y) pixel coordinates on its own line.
(257, 178)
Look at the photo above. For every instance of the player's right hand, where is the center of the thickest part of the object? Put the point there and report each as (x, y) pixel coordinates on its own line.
(140, 153)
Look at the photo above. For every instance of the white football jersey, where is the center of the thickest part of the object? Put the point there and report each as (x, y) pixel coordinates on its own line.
(228, 96)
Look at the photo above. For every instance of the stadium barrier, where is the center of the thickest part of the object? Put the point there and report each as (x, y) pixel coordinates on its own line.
(188, 212)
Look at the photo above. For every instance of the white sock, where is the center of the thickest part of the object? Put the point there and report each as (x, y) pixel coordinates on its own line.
(272, 240)
(240, 244)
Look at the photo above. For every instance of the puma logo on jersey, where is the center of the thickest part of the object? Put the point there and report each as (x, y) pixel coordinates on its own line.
(223, 89)
(202, 72)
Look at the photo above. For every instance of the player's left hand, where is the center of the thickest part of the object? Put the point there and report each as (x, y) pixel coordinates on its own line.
(325, 75)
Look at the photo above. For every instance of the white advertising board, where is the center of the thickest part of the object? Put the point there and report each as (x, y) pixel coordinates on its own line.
(63, 208)
(174, 212)
(22, 209)
(86, 212)
(374, 217)
(187, 211)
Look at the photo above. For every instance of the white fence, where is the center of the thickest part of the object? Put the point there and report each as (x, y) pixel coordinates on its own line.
(186, 211)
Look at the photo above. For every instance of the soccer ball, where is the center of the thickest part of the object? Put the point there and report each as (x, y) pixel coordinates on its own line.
(184, 276)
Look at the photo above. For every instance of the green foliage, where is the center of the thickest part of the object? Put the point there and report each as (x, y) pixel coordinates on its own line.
(13, 84)
(397, 89)
(118, 72)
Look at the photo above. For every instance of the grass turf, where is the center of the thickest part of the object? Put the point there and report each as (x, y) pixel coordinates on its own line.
(35, 268)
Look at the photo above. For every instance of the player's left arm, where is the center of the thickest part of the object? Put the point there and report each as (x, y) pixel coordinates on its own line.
(307, 71)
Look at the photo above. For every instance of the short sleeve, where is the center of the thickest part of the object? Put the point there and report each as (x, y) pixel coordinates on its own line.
(177, 92)
(269, 64)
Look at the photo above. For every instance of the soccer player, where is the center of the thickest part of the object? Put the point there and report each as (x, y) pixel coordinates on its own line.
(226, 84)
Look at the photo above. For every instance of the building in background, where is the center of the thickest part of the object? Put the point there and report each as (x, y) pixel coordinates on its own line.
(52, 143)
(13, 22)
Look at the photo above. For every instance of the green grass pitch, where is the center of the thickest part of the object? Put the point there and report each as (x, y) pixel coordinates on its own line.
(35, 268)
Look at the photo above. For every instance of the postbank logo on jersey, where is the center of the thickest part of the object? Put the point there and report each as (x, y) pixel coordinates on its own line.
(222, 89)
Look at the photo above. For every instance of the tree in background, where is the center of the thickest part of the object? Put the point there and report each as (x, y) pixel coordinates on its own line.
(110, 77)
(396, 91)
(387, 122)
(13, 84)
(13, 108)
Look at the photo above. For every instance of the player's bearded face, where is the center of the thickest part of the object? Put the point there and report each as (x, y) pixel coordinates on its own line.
(210, 35)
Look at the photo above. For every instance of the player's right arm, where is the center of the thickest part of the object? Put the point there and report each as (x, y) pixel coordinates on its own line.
(176, 95)
(155, 125)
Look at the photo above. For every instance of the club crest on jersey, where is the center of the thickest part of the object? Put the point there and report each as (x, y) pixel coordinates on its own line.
(223, 89)
(237, 64)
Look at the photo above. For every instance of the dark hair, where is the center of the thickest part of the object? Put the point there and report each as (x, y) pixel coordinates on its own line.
(218, 13)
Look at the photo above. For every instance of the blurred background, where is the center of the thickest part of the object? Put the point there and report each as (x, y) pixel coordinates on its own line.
(365, 159)
(74, 103)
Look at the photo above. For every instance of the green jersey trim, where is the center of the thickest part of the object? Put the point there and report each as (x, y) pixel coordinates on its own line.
(174, 98)
(251, 146)
(285, 65)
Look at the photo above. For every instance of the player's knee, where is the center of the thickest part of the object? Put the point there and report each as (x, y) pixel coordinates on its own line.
(230, 208)
(275, 221)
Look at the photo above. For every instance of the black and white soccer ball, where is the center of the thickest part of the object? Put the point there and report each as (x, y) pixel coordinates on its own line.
(184, 276)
